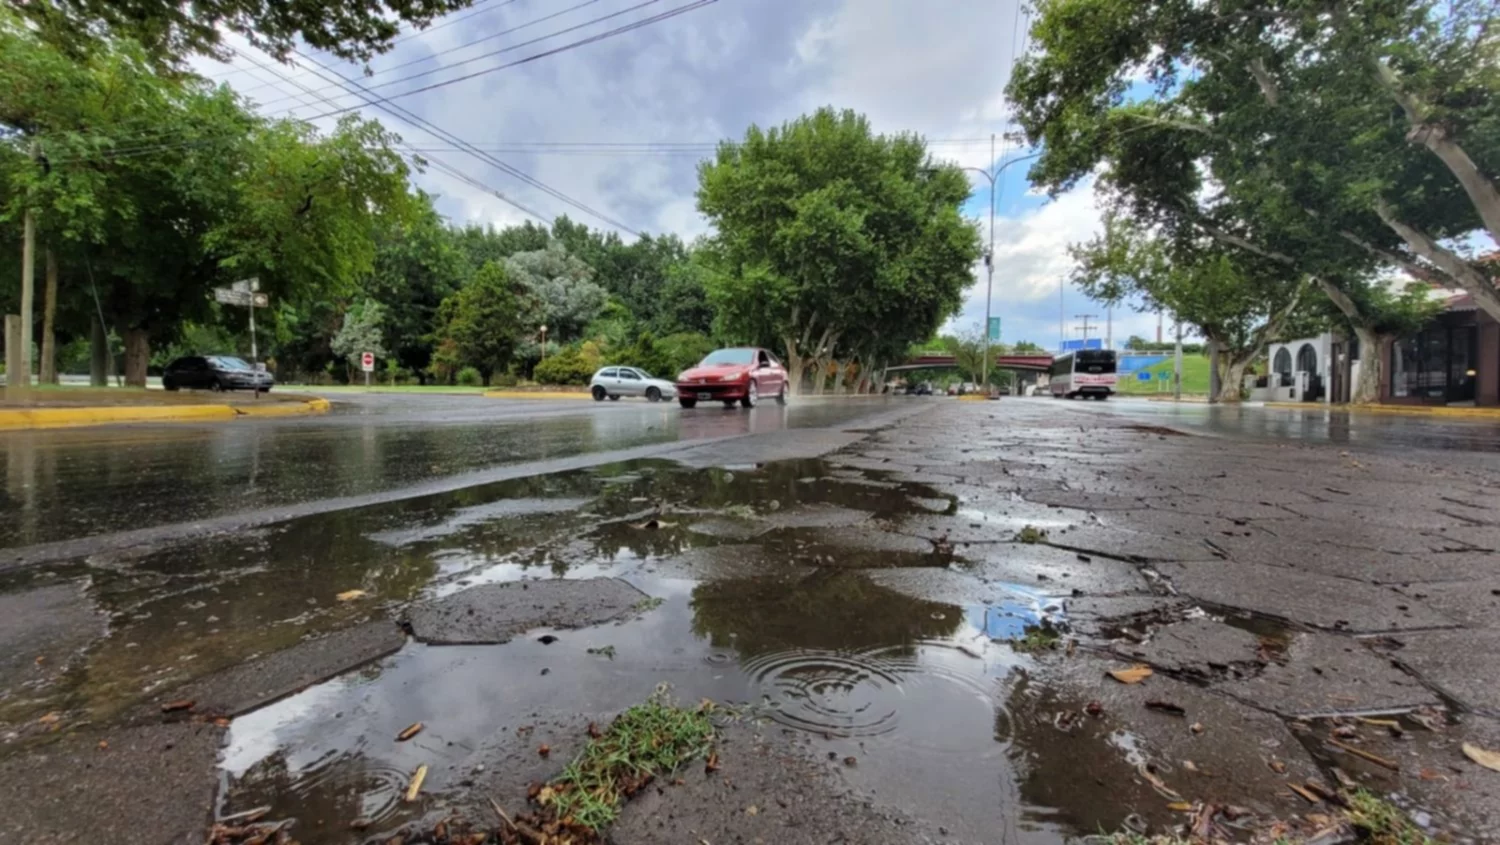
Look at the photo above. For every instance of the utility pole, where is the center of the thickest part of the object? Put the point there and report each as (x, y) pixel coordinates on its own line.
(1109, 327)
(1085, 327)
(1158, 326)
(989, 274)
(1177, 366)
(1062, 333)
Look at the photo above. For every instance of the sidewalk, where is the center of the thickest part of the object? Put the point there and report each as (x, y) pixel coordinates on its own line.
(76, 407)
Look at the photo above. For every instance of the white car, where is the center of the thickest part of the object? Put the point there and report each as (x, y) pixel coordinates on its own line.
(614, 382)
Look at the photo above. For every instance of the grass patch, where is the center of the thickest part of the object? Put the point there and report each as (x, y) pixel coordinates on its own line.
(1038, 638)
(1382, 823)
(604, 651)
(651, 603)
(1031, 535)
(648, 740)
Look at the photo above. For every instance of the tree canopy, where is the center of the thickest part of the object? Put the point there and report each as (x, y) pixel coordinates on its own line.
(832, 240)
(1338, 140)
(172, 30)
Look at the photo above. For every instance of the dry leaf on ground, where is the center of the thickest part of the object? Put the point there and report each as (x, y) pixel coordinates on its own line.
(1133, 675)
(351, 595)
(411, 731)
(1488, 759)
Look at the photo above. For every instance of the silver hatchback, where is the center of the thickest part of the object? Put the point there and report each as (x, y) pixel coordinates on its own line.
(614, 382)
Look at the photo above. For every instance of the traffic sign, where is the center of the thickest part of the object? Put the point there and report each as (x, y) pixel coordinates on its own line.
(367, 361)
(1143, 375)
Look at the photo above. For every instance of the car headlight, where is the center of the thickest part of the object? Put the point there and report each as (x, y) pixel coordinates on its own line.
(729, 378)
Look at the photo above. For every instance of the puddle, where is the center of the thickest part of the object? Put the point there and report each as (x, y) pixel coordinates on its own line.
(785, 590)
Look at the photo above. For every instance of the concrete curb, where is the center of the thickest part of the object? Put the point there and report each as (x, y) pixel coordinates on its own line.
(17, 419)
(536, 394)
(1411, 410)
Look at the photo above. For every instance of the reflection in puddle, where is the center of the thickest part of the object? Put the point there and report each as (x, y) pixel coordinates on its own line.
(800, 601)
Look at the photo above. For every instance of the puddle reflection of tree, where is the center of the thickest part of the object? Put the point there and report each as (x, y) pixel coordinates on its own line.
(825, 610)
(1075, 777)
(230, 600)
(325, 796)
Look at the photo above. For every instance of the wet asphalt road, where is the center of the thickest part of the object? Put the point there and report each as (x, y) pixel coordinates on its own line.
(67, 485)
(1391, 434)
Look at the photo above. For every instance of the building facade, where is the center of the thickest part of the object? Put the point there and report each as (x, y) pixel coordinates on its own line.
(1310, 369)
(1453, 360)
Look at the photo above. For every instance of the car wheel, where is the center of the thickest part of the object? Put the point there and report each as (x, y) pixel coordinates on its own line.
(752, 395)
(216, 386)
(653, 394)
(598, 393)
(687, 403)
(782, 396)
(728, 403)
(614, 397)
(169, 386)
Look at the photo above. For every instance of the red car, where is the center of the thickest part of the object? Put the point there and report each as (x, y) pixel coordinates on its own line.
(733, 375)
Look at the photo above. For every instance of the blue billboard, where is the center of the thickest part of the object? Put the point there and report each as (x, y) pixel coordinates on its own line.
(1075, 345)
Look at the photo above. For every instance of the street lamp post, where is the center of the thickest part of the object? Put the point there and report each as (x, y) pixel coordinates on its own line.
(544, 343)
(989, 255)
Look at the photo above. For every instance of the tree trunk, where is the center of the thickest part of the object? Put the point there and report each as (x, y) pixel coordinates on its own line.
(99, 363)
(1366, 390)
(137, 357)
(796, 364)
(1233, 379)
(48, 371)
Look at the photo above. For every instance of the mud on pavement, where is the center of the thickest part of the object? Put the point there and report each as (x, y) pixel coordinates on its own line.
(985, 623)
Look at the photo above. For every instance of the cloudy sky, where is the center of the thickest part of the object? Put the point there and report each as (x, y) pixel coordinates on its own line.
(617, 125)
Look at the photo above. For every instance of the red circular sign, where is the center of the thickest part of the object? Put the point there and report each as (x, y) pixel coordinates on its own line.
(367, 359)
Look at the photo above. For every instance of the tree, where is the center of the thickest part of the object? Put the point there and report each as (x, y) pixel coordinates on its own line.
(152, 228)
(484, 320)
(562, 287)
(172, 30)
(1026, 347)
(360, 333)
(1338, 139)
(1234, 299)
(417, 266)
(831, 238)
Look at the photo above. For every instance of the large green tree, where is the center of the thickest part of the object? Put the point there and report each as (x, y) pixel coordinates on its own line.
(833, 240)
(1338, 139)
(417, 266)
(152, 189)
(563, 287)
(1234, 299)
(485, 320)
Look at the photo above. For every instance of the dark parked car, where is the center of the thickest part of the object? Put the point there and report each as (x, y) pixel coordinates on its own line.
(214, 372)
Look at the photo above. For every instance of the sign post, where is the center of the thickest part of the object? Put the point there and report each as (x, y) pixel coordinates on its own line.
(245, 294)
(367, 363)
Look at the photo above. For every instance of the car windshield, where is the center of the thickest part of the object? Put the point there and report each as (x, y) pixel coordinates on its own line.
(230, 363)
(729, 356)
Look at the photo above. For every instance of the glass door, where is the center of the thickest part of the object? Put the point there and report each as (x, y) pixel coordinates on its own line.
(1463, 363)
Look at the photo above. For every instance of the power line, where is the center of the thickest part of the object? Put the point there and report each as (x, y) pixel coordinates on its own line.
(410, 35)
(510, 48)
(492, 36)
(444, 135)
(416, 157)
(542, 55)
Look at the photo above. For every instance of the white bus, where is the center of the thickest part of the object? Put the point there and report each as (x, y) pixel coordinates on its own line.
(1086, 372)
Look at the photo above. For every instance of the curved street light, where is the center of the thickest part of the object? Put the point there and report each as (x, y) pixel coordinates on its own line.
(989, 255)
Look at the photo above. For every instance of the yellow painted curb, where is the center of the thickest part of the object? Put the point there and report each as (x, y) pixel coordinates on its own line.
(1411, 410)
(536, 394)
(27, 418)
(972, 397)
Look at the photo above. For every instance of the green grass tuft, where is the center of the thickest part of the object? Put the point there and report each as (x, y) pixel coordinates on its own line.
(649, 603)
(1382, 823)
(1037, 639)
(648, 740)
